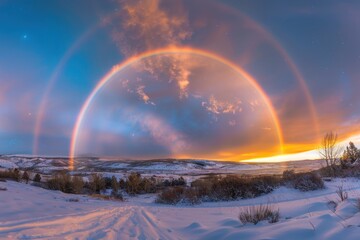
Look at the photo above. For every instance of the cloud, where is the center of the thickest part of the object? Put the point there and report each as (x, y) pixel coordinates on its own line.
(163, 133)
(143, 95)
(148, 25)
(218, 106)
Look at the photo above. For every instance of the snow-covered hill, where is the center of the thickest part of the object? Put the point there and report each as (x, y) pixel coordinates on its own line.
(189, 167)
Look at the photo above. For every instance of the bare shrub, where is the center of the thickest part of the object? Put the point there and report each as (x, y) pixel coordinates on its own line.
(191, 196)
(342, 194)
(288, 175)
(255, 214)
(171, 195)
(308, 182)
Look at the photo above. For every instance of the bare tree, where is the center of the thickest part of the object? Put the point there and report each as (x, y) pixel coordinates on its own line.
(329, 149)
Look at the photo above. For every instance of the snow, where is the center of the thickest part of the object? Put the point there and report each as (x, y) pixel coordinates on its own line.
(7, 164)
(169, 167)
(29, 212)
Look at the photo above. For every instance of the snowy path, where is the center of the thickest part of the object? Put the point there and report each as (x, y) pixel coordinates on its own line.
(108, 223)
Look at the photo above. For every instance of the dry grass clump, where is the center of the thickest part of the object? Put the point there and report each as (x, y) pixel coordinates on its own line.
(255, 214)
(342, 194)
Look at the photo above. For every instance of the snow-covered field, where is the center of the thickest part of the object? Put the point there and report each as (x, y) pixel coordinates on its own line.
(29, 212)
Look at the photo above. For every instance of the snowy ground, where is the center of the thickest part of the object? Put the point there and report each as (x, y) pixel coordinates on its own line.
(29, 212)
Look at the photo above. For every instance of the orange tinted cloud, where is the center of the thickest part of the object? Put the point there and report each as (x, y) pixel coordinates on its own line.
(146, 25)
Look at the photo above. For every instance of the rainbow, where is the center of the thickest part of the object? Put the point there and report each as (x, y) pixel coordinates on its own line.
(51, 83)
(163, 51)
(252, 24)
(287, 58)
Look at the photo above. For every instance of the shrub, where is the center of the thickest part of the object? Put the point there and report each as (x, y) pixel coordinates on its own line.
(233, 187)
(77, 184)
(60, 181)
(133, 183)
(65, 183)
(308, 182)
(204, 187)
(16, 175)
(26, 177)
(255, 214)
(96, 183)
(11, 174)
(37, 178)
(174, 182)
(288, 175)
(229, 188)
(114, 184)
(122, 184)
(216, 188)
(342, 194)
(108, 182)
(170, 196)
(148, 185)
(191, 196)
